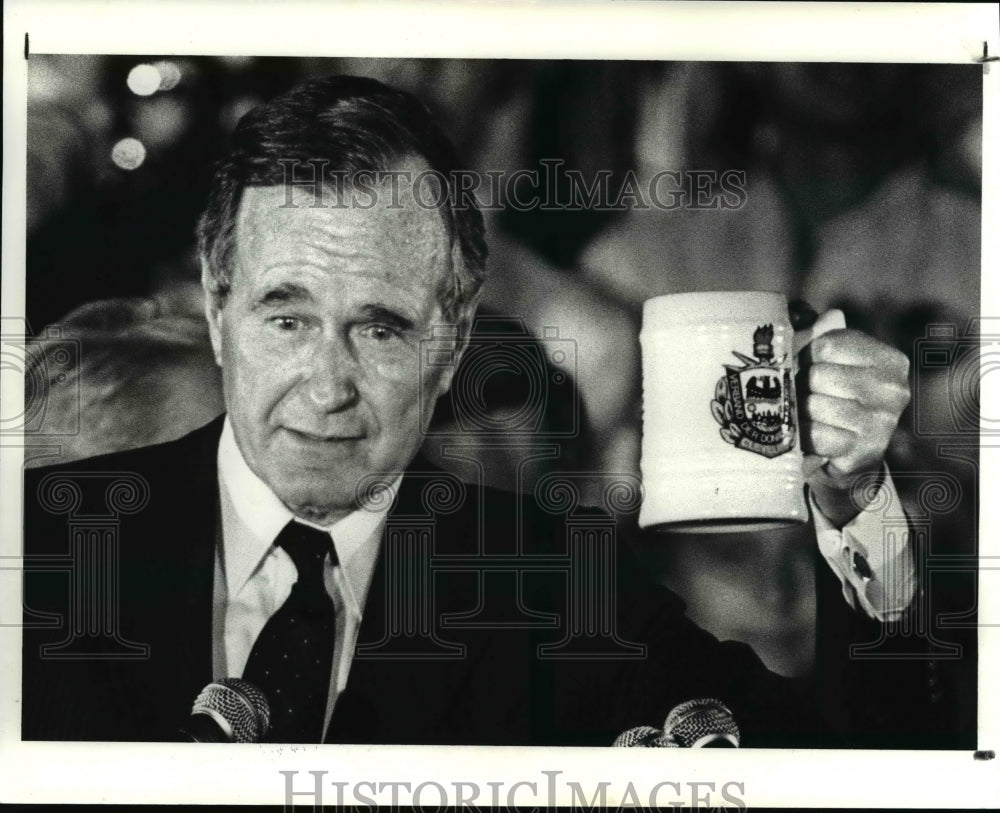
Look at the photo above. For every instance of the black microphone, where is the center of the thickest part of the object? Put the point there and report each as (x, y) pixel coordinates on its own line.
(701, 723)
(228, 710)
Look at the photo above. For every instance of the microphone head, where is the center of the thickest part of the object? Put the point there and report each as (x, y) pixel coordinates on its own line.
(643, 736)
(239, 708)
(702, 723)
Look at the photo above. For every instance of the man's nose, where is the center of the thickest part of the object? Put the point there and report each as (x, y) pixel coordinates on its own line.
(331, 385)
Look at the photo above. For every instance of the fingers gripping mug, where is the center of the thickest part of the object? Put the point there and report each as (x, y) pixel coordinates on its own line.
(720, 445)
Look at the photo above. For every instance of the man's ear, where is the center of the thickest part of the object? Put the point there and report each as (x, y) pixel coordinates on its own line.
(213, 310)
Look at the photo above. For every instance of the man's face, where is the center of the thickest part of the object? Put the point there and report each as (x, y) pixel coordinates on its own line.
(319, 340)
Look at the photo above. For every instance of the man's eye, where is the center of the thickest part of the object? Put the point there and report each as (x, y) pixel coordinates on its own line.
(286, 323)
(381, 333)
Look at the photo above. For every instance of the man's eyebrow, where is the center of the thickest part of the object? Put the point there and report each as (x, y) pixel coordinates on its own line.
(282, 294)
(381, 313)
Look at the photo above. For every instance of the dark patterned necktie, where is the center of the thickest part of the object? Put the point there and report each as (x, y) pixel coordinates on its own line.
(293, 655)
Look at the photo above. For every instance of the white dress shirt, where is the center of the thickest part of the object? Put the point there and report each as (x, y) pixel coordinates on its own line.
(872, 555)
(253, 577)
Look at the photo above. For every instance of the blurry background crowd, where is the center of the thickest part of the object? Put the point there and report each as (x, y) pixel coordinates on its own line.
(862, 192)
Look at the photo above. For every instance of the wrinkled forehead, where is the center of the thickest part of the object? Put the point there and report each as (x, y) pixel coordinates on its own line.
(397, 216)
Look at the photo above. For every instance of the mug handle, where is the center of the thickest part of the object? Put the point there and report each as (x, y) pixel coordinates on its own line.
(832, 319)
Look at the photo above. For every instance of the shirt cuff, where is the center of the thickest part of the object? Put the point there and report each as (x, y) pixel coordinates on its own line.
(871, 555)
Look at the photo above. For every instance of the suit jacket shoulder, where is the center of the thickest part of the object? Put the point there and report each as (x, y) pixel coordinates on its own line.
(119, 553)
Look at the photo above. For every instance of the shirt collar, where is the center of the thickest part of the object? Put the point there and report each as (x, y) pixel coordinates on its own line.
(261, 515)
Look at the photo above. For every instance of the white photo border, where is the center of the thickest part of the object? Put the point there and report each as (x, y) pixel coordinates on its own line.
(849, 32)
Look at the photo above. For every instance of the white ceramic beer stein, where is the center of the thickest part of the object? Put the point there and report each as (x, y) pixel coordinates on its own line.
(720, 446)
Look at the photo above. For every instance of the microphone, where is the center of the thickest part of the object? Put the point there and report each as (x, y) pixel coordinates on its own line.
(701, 723)
(643, 736)
(228, 710)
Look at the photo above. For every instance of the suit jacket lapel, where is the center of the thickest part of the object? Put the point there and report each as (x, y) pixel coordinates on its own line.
(403, 683)
(194, 538)
(170, 549)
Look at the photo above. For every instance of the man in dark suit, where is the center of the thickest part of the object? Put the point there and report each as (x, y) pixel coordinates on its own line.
(298, 542)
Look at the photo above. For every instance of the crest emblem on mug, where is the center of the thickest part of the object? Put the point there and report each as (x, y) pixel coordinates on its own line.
(754, 403)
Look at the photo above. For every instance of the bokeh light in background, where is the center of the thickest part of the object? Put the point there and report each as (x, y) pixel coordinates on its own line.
(146, 79)
(170, 74)
(143, 80)
(159, 122)
(129, 153)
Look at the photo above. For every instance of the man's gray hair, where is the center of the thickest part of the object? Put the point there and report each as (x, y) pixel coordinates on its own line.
(341, 126)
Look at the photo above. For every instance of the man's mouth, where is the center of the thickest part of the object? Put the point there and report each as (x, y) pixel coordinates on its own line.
(323, 438)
